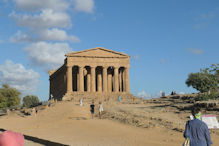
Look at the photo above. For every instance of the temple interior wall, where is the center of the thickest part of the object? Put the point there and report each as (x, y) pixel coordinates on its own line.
(58, 83)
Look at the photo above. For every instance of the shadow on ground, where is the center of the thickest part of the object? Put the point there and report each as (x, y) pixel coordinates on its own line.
(39, 140)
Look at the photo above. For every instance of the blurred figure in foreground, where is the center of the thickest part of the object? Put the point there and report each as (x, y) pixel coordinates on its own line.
(10, 138)
(197, 131)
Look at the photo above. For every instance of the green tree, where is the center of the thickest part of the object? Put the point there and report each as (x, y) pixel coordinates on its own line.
(3, 101)
(213, 69)
(30, 100)
(202, 81)
(9, 96)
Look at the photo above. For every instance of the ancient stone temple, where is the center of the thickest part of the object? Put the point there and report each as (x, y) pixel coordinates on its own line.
(92, 73)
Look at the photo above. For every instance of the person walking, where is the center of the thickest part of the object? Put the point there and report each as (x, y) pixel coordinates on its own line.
(92, 106)
(31, 112)
(119, 98)
(197, 131)
(81, 102)
(36, 110)
(100, 109)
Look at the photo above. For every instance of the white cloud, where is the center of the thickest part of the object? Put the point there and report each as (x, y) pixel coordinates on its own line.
(84, 5)
(195, 51)
(44, 35)
(21, 37)
(46, 19)
(18, 77)
(47, 55)
(56, 34)
(35, 5)
(143, 94)
(5, 1)
(58, 5)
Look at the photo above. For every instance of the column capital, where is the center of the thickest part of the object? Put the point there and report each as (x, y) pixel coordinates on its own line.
(116, 67)
(92, 66)
(85, 72)
(81, 66)
(67, 65)
(105, 66)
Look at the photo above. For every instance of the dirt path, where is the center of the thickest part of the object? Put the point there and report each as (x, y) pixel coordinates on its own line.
(70, 124)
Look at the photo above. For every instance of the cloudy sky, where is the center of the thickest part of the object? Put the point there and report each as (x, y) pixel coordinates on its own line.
(166, 39)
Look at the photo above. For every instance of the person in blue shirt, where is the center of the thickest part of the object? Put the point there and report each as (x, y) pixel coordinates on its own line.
(197, 131)
(119, 98)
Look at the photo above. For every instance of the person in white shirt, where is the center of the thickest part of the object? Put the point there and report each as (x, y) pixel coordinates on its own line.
(100, 109)
(81, 102)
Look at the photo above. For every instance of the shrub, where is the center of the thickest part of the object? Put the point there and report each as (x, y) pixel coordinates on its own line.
(30, 101)
(212, 96)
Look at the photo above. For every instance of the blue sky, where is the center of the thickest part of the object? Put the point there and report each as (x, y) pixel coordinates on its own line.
(166, 39)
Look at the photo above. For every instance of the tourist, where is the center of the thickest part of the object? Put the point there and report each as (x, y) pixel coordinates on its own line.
(197, 131)
(31, 112)
(100, 109)
(81, 102)
(92, 106)
(172, 93)
(36, 110)
(163, 94)
(119, 98)
(10, 138)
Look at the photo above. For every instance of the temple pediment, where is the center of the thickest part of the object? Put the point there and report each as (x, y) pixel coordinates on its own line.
(97, 52)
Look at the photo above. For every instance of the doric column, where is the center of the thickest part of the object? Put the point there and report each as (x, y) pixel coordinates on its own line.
(81, 79)
(109, 82)
(116, 81)
(127, 79)
(104, 79)
(120, 80)
(78, 80)
(88, 82)
(123, 80)
(99, 81)
(93, 85)
(69, 79)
